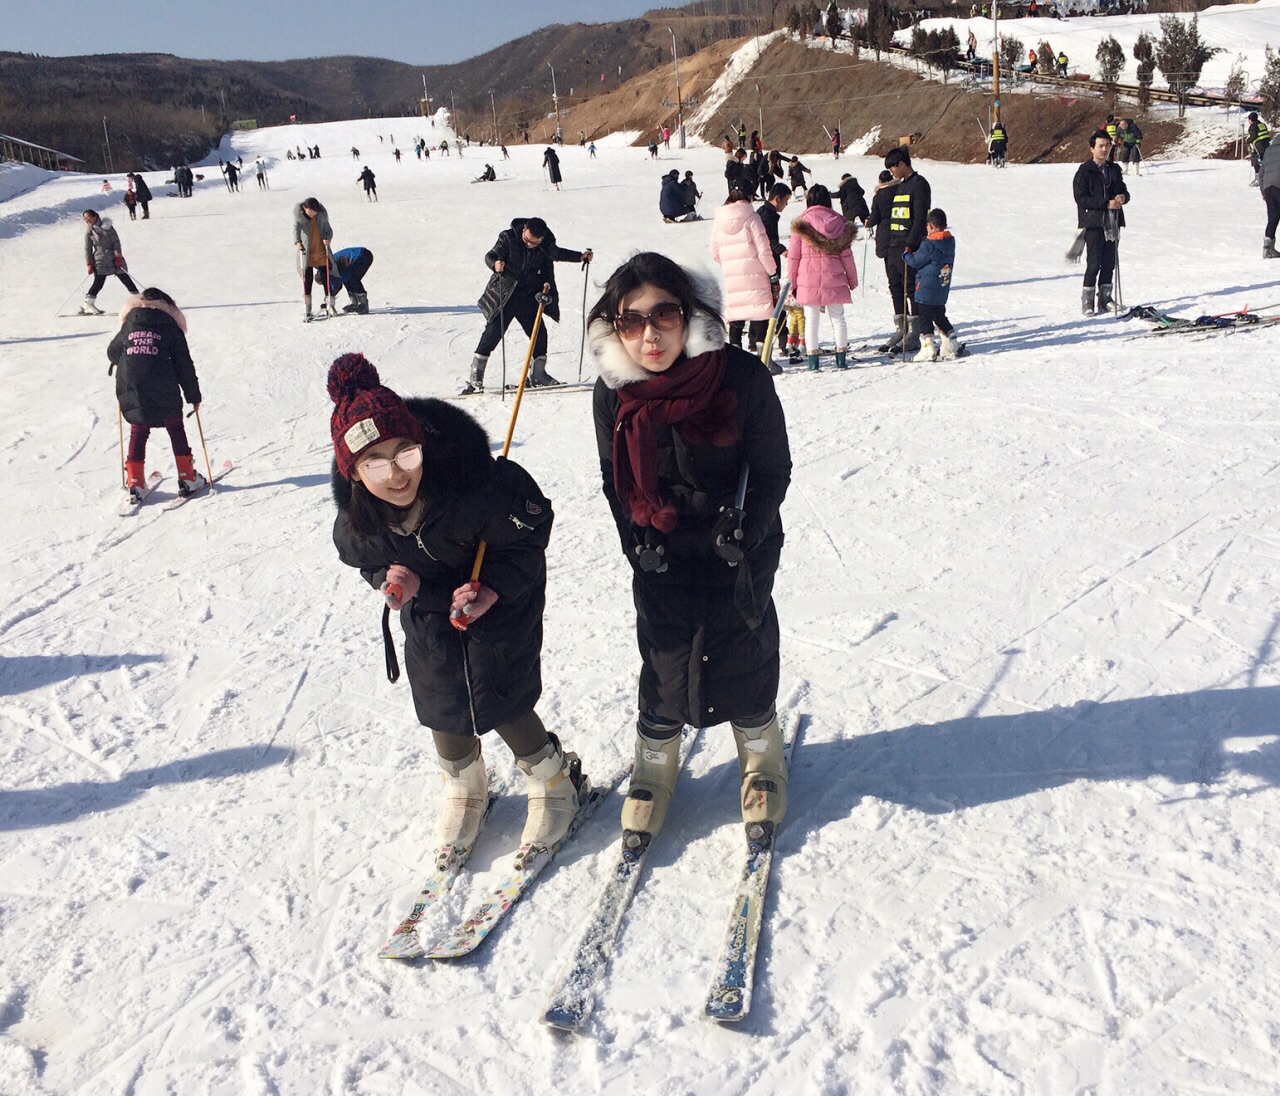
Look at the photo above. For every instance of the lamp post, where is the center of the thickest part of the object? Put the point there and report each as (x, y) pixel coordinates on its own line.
(995, 59)
(675, 57)
(555, 99)
(493, 106)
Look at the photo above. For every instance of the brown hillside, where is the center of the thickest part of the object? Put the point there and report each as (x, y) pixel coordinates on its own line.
(802, 90)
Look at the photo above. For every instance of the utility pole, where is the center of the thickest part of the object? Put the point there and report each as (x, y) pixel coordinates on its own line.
(110, 163)
(453, 116)
(679, 102)
(995, 60)
(555, 99)
(493, 106)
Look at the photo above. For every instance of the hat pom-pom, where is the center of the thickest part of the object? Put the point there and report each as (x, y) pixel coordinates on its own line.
(349, 375)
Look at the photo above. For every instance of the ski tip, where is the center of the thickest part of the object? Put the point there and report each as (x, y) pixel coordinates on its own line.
(568, 1022)
(404, 946)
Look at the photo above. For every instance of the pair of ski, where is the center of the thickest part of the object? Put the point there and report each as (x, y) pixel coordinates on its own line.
(730, 990)
(466, 935)
(131, 503)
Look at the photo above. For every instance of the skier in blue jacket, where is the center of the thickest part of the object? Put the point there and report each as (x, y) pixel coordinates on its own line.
(347, 271)
(933, 261)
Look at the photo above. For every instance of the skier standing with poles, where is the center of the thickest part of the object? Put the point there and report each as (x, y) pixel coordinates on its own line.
(311, 236)
(1100, 196)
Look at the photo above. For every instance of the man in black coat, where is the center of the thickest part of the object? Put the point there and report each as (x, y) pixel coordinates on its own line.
(1100, 195)
(853, 199)
(770, 213)
(738, 175)
(523, 261)
(910, 208)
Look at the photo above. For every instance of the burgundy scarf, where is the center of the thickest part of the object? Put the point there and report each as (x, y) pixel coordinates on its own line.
(691, 393)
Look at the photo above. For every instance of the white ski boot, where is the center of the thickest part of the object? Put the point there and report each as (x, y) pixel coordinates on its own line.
(763, 772)
(466, 795)
(928, 350)
(90, 307)
(653, 783)
(950, 348)
(557, 787)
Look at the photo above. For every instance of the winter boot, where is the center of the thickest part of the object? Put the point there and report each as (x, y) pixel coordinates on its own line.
(90, 307)
(306, 302)
(1105, 301)
(896, 340)
(928, 350)
(135, 478)
(475, 383)
(331, 305)
(556, 788)
(842, 361)
(466, 794)
(538, 375)
(189, 480)
(1269, 249)
(362, 304)
(950, 348)
(352, 305)
(774, 368)
(913, 336)
(814, 365)
(653, 782)
(1087, 305)
(793, 352)
(762, 772)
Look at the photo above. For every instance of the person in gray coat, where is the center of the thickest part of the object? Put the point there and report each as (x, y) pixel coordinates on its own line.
(1269, 184)
(103, 257)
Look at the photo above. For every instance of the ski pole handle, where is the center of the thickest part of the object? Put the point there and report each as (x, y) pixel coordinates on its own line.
(394, 592)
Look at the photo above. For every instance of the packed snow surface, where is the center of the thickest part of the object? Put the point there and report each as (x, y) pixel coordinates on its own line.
(1029, 604)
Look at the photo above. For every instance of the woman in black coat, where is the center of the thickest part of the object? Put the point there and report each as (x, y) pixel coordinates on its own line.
(417, 494)
(683, 421)
(154, 371)
(551, 161)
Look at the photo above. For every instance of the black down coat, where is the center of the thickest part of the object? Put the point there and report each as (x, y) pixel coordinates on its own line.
(1093, 187)
(470, 497)
(527, 270)
(702, 660)
(152, 363)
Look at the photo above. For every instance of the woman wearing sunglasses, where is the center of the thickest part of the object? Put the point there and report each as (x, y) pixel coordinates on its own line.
(695, 462)
(417, 490)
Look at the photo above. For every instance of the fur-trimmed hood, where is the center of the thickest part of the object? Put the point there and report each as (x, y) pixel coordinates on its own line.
(824, 228)
(455, 454)
(171, 310)
(703, 333)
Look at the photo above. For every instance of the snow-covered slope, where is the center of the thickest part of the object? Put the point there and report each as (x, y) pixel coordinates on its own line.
(1029, 604)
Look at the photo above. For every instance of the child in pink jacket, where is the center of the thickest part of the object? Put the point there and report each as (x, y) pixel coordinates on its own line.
(822, 272)
(740, 245)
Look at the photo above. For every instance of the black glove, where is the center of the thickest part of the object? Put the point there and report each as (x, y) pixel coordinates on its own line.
(650, 551)
(727, 532)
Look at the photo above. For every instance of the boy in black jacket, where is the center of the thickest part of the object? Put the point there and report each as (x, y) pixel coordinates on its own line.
(1100, 196)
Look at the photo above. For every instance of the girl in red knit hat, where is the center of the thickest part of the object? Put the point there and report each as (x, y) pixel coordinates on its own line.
(417, 490)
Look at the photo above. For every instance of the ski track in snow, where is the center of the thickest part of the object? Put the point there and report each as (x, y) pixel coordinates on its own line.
(1029, 612)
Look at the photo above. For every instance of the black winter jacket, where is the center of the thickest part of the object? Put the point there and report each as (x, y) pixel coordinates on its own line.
(853, 200)
(770, 217)
(527, 269)
(152, 364)
(880, 219)
(140, 189)
(701, 660)
(1093, 187)
(473, 497)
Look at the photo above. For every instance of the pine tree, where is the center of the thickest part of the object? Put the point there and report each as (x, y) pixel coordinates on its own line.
(1110, 56)
(1011, 52)
(1144, 52)
(1180, 56)
(879, 28)
(1046, 59)
(1269, 85)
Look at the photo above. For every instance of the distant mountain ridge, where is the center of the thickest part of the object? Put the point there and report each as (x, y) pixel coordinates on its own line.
(161, 108)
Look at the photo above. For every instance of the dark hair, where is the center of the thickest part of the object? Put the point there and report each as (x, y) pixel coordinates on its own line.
(313, 204)
(937, 217)
(845, 176)
(779, 190)
(537, 227)
(650, 268)
(1111, 117)
(154, 294)
(1098, 133)
(885, 177)
(93, 213)
(896, 156)
(739, 153)
(817, 195)
(735, 195)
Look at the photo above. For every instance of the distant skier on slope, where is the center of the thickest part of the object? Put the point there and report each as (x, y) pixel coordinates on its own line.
(312, 234)
(551, 161)
(104, 258)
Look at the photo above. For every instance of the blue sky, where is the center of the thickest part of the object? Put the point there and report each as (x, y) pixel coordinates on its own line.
(425, 32)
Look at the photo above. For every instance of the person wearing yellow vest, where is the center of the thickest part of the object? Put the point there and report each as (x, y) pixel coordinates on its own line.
(912, 198)
(998, 144)
(1112, 129)
(1259, 138)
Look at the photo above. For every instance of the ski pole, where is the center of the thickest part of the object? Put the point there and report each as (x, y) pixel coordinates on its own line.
(906, 274)
(502, 321)
(207, 466)
(124, 479)
(866, 237)
(582, 350)
(459, 614)
(73, 293)
(771, 332)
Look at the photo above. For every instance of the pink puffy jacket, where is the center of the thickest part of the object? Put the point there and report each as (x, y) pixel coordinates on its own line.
(740, 245)
(819, 260)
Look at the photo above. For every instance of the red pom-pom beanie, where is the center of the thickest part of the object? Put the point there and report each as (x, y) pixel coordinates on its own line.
(364, 412)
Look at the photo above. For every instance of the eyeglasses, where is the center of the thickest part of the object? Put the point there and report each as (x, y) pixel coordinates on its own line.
(378, 469)
(664, 317)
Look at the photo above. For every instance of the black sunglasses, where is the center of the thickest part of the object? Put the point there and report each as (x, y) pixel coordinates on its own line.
(666, 316)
